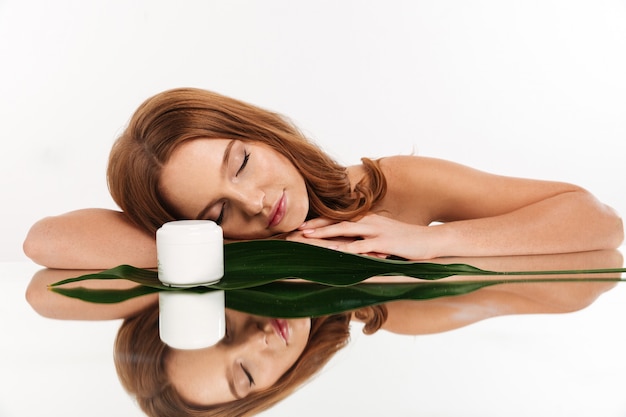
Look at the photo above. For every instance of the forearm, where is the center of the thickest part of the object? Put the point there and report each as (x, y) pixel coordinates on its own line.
(568, 222)
(89, 239)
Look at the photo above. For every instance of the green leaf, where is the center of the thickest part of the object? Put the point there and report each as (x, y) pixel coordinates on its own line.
(291, 300)
(253, 263)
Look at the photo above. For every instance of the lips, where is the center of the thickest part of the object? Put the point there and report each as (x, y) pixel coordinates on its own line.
(281, 328)
(278, 212)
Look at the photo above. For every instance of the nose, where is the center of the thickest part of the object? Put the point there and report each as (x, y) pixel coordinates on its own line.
(253, 337)
(251, 200)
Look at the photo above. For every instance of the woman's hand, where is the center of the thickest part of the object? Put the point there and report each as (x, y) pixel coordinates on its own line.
(373, 235)
(328, 243)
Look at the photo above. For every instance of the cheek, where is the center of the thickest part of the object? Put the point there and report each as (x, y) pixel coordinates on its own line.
(301, 330)
(245, 230)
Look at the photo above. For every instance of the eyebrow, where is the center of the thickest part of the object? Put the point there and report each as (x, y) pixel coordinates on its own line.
(225, 158)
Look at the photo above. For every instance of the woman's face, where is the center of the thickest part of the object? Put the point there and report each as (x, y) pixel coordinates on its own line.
(251, 190)
(253, 355)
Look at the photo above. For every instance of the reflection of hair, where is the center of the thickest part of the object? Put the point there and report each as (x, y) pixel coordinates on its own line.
(170, 118)
(140, 357)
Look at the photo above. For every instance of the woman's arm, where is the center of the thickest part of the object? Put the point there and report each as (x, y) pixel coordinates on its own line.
(481, 214)
(89, 239)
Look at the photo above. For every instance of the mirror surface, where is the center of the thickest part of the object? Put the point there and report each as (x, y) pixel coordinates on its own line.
(557, 344)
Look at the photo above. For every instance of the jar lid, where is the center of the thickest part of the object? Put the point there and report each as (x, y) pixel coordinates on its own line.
(190, 232)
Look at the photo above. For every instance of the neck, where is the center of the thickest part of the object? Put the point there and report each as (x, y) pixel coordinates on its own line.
(355, 174)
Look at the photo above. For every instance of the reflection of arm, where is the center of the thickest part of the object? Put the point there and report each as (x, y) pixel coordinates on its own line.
(89, 239)
(56, 306)
(443, 314)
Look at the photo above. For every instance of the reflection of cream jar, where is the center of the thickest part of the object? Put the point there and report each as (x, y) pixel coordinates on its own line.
(190, 253)
(188, 320)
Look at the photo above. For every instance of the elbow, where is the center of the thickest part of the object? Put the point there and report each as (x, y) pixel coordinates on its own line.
(615, 235)
(36, 298)
(36, 244)
(603, 223)
(33, 297)
(619, 238)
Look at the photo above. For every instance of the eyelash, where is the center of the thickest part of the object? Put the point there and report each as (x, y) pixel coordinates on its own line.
(220, 218)
(245, 371)
(246, 157)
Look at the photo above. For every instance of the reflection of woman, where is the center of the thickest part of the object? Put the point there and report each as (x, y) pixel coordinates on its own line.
(250, 370)
(251, 361)
(194, 154)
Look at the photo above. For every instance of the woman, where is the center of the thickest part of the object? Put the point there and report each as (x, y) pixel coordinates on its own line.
(190, 153)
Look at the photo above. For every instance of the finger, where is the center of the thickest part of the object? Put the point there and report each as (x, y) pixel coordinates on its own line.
(363, 247)
(324, 243)
(295, 237)
(348, 229)
(376, 255)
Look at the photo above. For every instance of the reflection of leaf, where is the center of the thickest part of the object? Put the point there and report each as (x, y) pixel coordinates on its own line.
(254, 263)
(289, 300)
(140, 276)
(102, 296)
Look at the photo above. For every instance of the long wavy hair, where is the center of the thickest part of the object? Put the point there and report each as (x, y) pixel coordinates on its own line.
(172, 117)
(140, 359)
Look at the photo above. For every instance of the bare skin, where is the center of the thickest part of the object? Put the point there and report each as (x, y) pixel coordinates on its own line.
(481, 214)
(90, 238)
(251, 358)
(448, 313)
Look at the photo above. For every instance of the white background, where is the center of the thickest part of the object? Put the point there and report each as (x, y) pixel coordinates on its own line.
(524, 88)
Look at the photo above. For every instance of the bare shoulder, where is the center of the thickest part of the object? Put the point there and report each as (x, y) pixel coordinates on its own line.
(445, 172)
(403, 165)
(448, 191)
(414, 187)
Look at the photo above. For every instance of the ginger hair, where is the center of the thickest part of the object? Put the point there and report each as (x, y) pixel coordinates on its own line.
(172, 117)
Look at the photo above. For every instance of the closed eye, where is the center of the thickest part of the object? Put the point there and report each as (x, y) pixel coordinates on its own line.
(220, 218)
(246, 156)
(245, 371)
